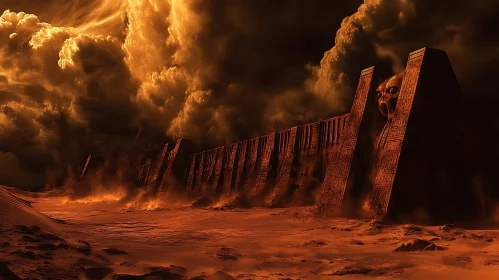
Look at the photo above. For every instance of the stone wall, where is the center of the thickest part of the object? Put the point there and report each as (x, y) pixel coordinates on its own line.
(269, 169)
(335, 162)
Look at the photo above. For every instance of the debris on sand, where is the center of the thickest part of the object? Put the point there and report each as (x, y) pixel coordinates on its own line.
(356, 242)
(27, 230)
(114, 251)
(128, 264)
(226, 254)
(201, 202)
(96, 272)
(163, 274)
(315, 243)
(219, 275)
(26, 254)
(82, 247)
(285, 212)
(246, 276)
(6, 273)
(40, 240)
(30, 239)
(411, 229)
(84, 262)
(485, 238)
(84, 243)
(374, 227)
(172, 268)
(448, 232)
(341, 228)
(361, 269)
(461, 258)
(49, 237)
(79, 246)
(43, 246)
(491, 262)
(388, 238)
(446, 238)
(236, 202)
(222, 208)
(448, 227)
(458, 261)
(353, 269)
(418, 245)
(36, 235)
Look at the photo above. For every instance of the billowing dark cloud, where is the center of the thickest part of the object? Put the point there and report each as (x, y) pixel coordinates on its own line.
(64, 95)
(92, 80)
(218, 71)
(388, 30)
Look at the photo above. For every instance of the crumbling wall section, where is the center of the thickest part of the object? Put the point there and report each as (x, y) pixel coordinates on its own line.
(214, 184)
(208, 167)
(229, 159)
(240, 163)
(329, 141)
(266, 145)
(141, 173)
(308, 153)
(178, 161)
(285, 149)
(269, 168)
(190, 173)
(157, 170)
(250, 166)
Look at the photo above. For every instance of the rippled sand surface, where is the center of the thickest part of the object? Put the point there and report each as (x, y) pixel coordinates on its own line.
(256, 243)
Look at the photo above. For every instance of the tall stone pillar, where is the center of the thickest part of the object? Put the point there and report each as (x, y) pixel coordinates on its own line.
(339, 163)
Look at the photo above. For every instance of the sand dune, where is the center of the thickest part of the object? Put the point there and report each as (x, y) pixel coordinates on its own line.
(17, 210)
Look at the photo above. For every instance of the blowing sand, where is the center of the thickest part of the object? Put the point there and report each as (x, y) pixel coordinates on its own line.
(107, 241)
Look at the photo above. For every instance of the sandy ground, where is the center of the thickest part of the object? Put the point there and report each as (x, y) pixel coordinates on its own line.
(105, 240)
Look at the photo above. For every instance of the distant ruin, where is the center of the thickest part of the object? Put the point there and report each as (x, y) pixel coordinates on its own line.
(394, 155)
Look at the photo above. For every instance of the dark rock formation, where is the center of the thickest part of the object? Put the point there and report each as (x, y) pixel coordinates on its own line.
(418, 245)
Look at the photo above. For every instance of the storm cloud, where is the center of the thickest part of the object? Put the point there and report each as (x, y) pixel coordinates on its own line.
(107, 77)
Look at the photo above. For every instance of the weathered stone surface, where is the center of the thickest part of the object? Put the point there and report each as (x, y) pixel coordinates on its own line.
(198, 186)
(341, 155)
(190, 174)
(250, 165)
(387, 161)
(177, 164)
(240, 162)
(266, 147)
(308, 154)
(141, 174)
(219, 163)
(420, 166)
(338, 162)
(285, 149)
(229, 155)
(210, 158)
(149, 174)
(157, 170)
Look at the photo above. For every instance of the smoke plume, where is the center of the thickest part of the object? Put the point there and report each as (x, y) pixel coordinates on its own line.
(105, 77)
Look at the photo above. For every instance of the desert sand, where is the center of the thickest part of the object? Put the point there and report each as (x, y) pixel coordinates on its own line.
(46, 237)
